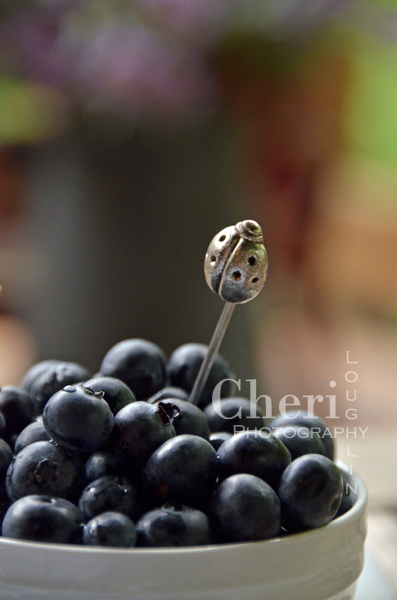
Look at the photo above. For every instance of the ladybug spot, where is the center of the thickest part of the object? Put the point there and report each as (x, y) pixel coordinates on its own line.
(236, 275)
(213, 259)
(255, 280)
(222, 238)
(252, 261)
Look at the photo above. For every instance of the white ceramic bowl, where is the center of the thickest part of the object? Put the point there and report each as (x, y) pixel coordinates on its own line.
(321, 564)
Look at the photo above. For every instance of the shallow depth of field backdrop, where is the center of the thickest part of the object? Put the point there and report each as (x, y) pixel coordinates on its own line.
(131, 131)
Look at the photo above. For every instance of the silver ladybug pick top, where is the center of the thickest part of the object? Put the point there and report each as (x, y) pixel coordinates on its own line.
(235, 268)
(236, 262)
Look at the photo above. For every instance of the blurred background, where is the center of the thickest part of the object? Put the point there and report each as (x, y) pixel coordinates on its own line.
(131, 131)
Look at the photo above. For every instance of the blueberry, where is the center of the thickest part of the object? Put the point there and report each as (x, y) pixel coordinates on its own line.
(169, 392)
(34, 372)
(184, 365)
(299, 440)
(188, 418)
(182, 470)
(236, 416)
(43, 519)
(111, 529)
(140, 364)
(245, 508)
(105, 462)
(78, 419)
(310, 492)
(34, 432)
(254, 453)
(6, 456)
(218, 437)
(349, 495)
(17, 408)
(11, 440)
(116, 393)
(44, 468)
(53, 379)
(4, 502)
(139, 429)
(173, 526)
(3, 430)
(317, 424)
(111, 493)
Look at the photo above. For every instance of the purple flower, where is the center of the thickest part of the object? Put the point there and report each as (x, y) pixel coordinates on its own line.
(31, 40)
(127, 68)
(195, 19)
(107, 65)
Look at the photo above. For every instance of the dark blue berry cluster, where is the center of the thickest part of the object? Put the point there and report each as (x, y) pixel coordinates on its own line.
(121, 458)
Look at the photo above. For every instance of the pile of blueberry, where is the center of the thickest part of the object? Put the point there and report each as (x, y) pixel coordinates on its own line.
(122, 458)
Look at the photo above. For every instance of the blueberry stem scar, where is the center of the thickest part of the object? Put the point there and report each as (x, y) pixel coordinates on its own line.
(213, 349)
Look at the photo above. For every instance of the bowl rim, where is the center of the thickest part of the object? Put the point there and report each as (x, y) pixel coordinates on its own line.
(359, 505)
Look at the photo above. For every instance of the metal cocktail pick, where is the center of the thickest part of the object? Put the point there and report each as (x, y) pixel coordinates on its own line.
(235, 268)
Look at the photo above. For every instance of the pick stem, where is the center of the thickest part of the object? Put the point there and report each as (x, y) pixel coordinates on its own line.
(212, 351)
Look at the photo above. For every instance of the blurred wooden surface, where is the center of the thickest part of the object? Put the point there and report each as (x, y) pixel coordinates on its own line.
(374, 459)
(382, 542)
